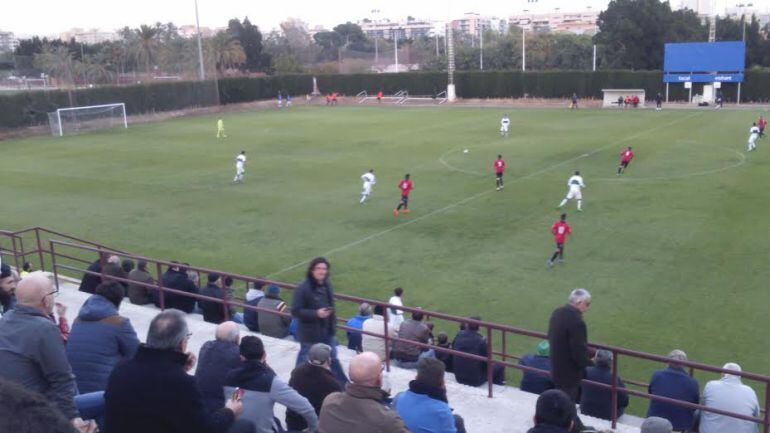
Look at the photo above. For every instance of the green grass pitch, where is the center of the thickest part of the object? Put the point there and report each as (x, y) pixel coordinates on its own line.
(675, 251)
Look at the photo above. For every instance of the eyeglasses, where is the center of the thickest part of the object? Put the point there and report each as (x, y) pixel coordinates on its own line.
(54, 293)
(189, 334)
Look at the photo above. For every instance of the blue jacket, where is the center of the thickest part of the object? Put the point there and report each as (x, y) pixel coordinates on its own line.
(533, 382)
(424, 409)
(178, 280)
(355, 338)
(675, 383)
(215, 360)
(597, 402)
(99, 339)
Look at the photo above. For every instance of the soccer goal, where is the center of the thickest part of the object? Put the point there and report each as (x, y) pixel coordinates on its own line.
(73, 120)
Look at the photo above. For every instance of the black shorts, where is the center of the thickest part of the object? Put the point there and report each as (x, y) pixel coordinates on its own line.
(559, 245)
(624, 164)
(499, 175)
(404, 199)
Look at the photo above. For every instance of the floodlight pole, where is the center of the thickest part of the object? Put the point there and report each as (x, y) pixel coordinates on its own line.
(481, 46)
(594, 69)
(395, 49)
(523, 49)
(202, 72)
(450, 54)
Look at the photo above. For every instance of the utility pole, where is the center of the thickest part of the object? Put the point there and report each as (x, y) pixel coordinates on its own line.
(395, 48)
(481, 46)
(202, 72)
(523, 49)
(376, 37)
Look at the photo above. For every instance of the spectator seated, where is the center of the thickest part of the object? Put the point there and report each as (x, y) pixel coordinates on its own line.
(537, 383)
(215, 359)
(355, 339)
(595, 401)
(674, 382)
(273, 325)
(470, 371)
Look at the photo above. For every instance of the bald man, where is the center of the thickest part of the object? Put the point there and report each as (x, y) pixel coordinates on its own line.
(31, 349)
(215, 359)
(361, 408)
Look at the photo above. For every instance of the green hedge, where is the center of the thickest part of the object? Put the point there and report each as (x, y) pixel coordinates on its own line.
(30, 108)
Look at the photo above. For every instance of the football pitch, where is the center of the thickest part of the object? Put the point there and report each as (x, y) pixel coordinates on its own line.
(675, 251)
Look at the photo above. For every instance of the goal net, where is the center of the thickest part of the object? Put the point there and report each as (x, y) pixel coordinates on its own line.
(81, 119)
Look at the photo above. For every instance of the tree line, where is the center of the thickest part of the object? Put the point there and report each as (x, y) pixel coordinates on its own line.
(630, 35)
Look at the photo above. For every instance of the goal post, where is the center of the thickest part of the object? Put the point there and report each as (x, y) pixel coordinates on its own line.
(72, 120)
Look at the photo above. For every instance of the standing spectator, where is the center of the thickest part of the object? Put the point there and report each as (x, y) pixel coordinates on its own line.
(362, 408)
(355, 339)
(313, 306)
(554, 413)
(534, 382)
(176, 277)
(674, 382)
(376, 325)
(658, 102)
(153, 392)
(217, 358)
(407, 354)
(32, 353)
(568, 338)
(214, 312)
(91, 277)
(253, 296)
(273, 325)
(728, 394)
(100, 338)
(424, 407)
(7, 289)
(595, 401)
(656, 425)
(314, 381)
(442, 340)
(138, 292)
(574, 104)
(396, 315)
(262, 389)
(470, 371)
(719, 100)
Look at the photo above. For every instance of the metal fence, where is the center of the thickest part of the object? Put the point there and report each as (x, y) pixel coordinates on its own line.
(61, 254)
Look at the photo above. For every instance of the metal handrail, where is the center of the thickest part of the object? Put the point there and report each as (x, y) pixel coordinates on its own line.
(487, 327)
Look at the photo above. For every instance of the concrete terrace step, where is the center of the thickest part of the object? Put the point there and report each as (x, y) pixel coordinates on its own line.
(510, 411)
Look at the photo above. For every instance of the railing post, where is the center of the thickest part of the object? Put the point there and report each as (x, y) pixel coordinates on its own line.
(15, 252)
(614, 390)
(490, 366)
(386, 336)
(225, 301)
(766, 422)
(39, 249)
(53, 265)
(159, 273)
(102, 262)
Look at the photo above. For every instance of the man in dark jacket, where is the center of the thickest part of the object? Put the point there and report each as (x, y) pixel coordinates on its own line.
(313, 306)
(273, 325)
(554, 413)
(176, 278)
(470, 371)
(217, 358)
(100, 338)
(153, 393)
(674, 382)
(253, 296)
(314, 381)
(31, 349)
(89, 281)
(536, 383)
(213, 312)
(413, 329)
(595, 401)
(139, 293)
(7, 289)
(568, 338)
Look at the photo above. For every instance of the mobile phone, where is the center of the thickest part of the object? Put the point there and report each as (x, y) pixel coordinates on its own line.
(237, 394)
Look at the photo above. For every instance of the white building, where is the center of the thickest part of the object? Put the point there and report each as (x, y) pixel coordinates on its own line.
(580, 22)
(88, 36)
(8, 42)
(386, 29)
(749, 8)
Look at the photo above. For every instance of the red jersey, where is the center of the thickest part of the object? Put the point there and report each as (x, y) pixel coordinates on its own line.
(405, 186)
(762, 123)
(626, 155)
(560, 230)
(499, 166)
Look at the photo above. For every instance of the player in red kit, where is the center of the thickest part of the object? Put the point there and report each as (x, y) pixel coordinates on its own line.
(560, 230)
(499, 170)
(405, 186)
(762, 123)
(625, 158)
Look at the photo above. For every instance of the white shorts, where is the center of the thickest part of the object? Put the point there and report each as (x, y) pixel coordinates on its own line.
(503, 128)
(367, 189)
(753, 138)
(575, 193)
(239, 170)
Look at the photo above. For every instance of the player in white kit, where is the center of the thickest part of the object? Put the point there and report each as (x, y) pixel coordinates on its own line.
(369, 180)
(240, 170)
(753, 135)
(505, 122)
(576, 186)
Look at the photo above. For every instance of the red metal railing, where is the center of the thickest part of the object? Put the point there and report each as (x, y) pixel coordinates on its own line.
(55, 252)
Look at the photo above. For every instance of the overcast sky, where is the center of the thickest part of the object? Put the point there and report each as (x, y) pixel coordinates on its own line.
(51, 17)
(56, 16)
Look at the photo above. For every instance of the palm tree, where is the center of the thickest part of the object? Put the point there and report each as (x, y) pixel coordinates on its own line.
(147, 46)
(57, 62)
(226, 51)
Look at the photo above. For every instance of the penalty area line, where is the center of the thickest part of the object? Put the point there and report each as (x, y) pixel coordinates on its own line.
(475, 196)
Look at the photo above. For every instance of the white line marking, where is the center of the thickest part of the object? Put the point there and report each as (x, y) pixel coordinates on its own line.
(476, 196)
(741, 161)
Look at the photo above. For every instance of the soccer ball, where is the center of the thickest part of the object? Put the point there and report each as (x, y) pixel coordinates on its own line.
(465, 151)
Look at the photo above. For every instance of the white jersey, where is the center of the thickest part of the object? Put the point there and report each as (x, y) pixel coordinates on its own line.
(575, 183)
(505, 121)
(368, 179)
(754, 131)
(239, 161)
